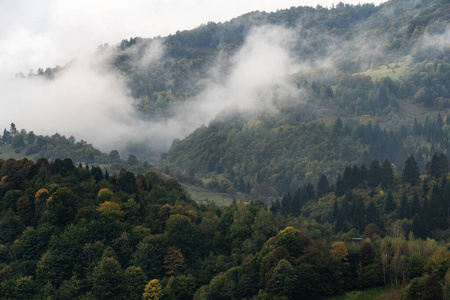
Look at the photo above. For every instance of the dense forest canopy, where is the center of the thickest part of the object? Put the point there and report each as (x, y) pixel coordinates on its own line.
(79, 233)
(357, 38)
(334, 122)
(382, 92)
(290, 95)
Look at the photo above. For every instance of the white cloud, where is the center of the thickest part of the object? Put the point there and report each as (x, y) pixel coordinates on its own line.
(263, 63)
(59, 30)
(93, 105)
(83, 101)
(90, 103)
(439, 41)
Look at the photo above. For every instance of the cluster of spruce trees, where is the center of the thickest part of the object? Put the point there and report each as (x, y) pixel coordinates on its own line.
(366, 196)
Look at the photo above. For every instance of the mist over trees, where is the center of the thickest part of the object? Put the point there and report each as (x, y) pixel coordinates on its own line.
(348, 60)
(297, 140)
(332, 122)
(21, 143)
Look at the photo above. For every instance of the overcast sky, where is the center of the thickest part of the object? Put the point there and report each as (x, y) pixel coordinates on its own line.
(49, 32)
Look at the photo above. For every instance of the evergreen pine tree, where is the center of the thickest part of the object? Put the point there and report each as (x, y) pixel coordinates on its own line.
(443, 165)
(345, 211)
(347, 177)
(411, 171)
(276, 207)
(421, 226)
(374, 174)
(359, 215)
(337, 128)
(363, 172)
(338, 226)
(418, 227)
(7, 137)
(286, 205)
(335, 212)
(425, 187)
(389, 204)
(357, 177)
(403, 209)
(419, 159)
(323, 186)
(340, 186)
(13, 129)
(431, 166)
(373, 215)
(308, 193)
(438, 166)
(437, 208)
(415, 206)
(296, 203)
(387, 174)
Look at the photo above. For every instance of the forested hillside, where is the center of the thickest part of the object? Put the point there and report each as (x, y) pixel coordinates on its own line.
(56, 146)
(70, 232)
(335, 122)
(382, 93)
(357, 38)
(367, 82)
(15, 143)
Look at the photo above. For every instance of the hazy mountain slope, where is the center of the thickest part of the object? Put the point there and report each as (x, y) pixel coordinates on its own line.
(295, 138)
(355, 37)
(17, 144)
(292, 73)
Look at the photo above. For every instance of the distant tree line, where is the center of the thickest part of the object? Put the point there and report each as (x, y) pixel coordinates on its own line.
(58, 146)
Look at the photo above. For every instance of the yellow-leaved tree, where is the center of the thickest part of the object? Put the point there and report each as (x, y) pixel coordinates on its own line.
(340, 251)
(152, 290)
(41, 199)
(110, 209)
(105, 195)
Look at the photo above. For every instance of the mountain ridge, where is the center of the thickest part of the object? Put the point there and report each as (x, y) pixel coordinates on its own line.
(363, 64)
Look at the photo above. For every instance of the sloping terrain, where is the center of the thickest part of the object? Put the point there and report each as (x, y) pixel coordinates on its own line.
(377, 77)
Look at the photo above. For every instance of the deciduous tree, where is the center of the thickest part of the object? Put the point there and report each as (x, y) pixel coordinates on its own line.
(152, 290)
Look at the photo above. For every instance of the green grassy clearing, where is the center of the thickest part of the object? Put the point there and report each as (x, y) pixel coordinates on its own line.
(202, 195)
(384, 292)
(7, 152)
(393, 70)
